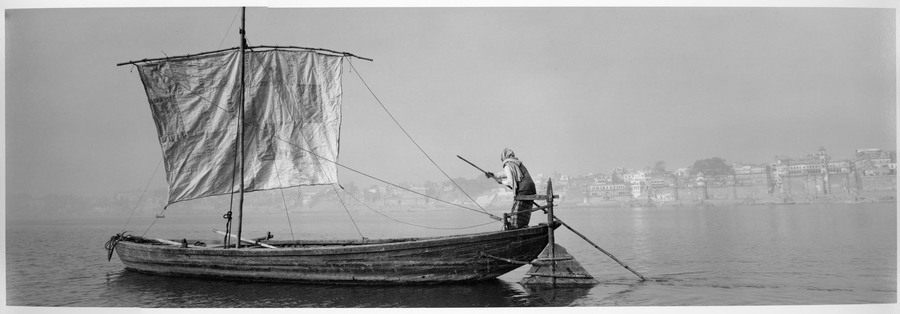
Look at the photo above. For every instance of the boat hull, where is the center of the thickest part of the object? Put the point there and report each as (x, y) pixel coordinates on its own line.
(459, 258)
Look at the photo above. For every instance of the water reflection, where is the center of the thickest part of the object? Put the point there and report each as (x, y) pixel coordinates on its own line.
(159, 291)
(559, 296)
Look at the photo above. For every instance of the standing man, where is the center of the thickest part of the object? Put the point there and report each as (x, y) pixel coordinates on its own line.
(516, 177)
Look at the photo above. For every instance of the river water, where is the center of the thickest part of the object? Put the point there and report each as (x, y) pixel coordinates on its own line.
(700, 256)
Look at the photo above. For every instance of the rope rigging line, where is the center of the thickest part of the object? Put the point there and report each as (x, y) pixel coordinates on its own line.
(389, 183)
(151, 224)
(410, 137)
(284, 202)
(229, 29)
(142, 196)
(336, 193)
(412, 224)
(228, 214)
(162, 212)
(191, 92)
(319, 165)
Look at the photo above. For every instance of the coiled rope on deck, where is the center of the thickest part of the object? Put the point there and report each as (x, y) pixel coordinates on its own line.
(110, 245)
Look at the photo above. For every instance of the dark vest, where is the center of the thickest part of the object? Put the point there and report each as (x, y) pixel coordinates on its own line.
(526, 185)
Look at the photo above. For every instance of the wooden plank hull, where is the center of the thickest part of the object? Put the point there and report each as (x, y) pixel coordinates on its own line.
(424, 260)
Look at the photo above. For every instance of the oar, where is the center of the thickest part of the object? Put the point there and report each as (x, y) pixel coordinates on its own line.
(246, 240)
(601, 250)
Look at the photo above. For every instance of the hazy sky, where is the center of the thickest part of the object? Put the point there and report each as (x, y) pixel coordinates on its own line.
(571, 90)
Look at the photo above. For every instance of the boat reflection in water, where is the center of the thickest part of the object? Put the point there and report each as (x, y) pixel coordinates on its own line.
(556, 296)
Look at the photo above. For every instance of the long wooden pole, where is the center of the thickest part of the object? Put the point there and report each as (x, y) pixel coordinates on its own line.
(240, 142)
(551, 238)
(602, 250)
(245, 240)
(347, 54)
(470, 163)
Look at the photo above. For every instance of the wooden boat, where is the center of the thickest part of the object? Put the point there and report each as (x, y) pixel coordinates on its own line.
(288, 130)
(447, 259)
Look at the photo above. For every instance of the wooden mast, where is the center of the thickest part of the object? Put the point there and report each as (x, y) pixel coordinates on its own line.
(240, 213)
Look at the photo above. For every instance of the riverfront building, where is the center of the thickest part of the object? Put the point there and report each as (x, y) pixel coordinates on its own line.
(810, 177)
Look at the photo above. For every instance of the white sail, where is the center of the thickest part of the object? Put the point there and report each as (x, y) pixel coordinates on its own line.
(292, 119)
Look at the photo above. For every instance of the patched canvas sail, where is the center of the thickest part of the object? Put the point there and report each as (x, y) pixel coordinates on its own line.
(292, 120)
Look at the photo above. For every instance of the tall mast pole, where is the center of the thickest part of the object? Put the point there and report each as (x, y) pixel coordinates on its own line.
(240, 213)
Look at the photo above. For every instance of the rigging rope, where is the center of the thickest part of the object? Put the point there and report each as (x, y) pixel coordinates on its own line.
(319, 165)
(412, 224)
(192, 93)
(142, 196)
(347, 210)
(229, 29)
(151, 224)
(410, 137)
(231, 203)
(388, 183)
(228, 225)
(283, 202)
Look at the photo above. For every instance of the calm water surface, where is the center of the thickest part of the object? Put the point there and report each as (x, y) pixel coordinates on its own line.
(740, 255)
